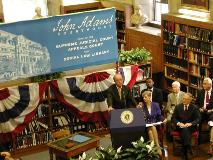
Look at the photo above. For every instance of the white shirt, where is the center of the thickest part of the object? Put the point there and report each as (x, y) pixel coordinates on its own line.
(209, 92)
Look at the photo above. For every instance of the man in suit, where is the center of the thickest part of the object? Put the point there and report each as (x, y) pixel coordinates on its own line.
(174, 99)
(204, 95)
(157, 95)
(119, 96)
(186, 117)
(202, 101)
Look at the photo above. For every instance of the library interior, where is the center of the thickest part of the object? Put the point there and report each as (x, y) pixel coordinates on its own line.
(106, 80)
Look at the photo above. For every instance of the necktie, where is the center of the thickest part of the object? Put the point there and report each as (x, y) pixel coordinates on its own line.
(185, 108)
(119, 92)
(207, 97)
(176, 97)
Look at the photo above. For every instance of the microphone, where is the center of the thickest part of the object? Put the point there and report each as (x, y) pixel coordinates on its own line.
(124, 97)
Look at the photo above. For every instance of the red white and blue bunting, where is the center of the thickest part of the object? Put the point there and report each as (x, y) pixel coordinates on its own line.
(85, 95)
(18, 105)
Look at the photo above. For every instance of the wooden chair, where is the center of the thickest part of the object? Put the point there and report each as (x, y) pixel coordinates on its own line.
(195, 136)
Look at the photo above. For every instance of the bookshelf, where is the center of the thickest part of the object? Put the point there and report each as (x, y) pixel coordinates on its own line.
(123, 14)
(187, 48)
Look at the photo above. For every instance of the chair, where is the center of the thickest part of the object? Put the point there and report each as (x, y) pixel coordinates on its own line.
(195, 136)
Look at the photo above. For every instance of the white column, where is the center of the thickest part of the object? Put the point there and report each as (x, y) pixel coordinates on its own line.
(174, 5)
(211, 9)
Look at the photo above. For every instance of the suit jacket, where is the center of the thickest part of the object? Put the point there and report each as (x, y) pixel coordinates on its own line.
(126, 101)
(155, 115)
(157, 95)
(172, 102)
(200, 98)
(193, 115)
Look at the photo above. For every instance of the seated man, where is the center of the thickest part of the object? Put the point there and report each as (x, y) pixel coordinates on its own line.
(119, 96)
(186, 117)
(174, 99)
(202, 101)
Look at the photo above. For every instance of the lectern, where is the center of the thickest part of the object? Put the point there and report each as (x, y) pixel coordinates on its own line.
(126, 126)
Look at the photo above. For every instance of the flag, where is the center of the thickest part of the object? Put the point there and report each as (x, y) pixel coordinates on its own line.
(129, 74)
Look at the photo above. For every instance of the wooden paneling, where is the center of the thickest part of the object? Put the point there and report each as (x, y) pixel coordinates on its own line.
(137, 38)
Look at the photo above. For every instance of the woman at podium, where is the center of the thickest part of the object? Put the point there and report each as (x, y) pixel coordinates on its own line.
(153, 117)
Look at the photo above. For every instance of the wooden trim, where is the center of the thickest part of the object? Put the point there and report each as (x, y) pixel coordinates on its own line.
(188, 20)
(194, 6)
(79, 7)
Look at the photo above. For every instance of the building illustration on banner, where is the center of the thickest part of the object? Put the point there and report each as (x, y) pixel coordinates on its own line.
(21, 57)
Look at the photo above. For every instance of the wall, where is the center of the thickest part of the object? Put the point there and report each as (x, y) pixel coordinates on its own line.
(145, 6)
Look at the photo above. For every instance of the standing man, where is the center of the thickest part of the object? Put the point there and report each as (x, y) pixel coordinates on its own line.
(174, 98)
(186, 117)
(157, 95)
(119, 96)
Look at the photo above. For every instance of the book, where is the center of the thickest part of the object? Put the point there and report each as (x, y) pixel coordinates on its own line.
(79, 138)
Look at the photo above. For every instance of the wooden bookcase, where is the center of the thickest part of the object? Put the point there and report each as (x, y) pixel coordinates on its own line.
(149, 38)
(187, 48)
(66, 9)
(123, 14)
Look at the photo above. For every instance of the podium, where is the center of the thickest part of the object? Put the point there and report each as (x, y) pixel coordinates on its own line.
(126, 126)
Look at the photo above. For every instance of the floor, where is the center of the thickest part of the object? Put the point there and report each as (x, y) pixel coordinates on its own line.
(106, 141)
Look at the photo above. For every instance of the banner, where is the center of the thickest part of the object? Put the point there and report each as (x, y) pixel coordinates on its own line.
(53, 44)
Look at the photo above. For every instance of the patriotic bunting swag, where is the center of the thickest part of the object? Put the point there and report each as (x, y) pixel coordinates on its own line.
(85, 95)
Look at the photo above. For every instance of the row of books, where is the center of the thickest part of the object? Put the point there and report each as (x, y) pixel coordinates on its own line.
(193, 92)
(120, 36)
(176, 62)
(196, 82)
(168, 26)
(57, 107)
(198, 58)
(199, 46)
(35, 126)
(43, 110)
(61, 121)
(174, 39)
(120, 15)
(120, 26)
(33, 139)
(188, 31)
(180, 29)
(198, 71)
(200, 34)
(186, 43)
(176, 74)
(97, 126)
(175, 51)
